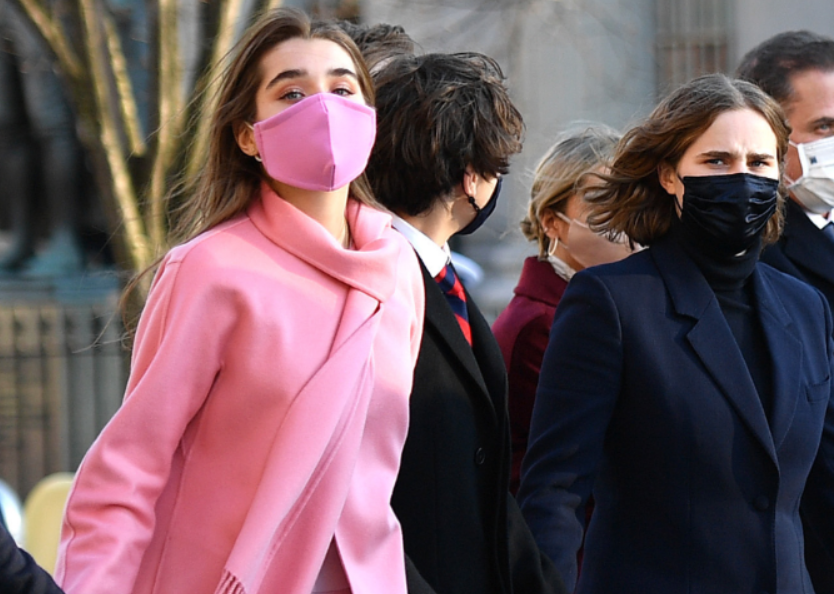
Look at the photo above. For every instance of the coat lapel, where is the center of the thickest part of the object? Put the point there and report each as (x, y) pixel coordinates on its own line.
(441, 322)
(488, 355)
(786, 353)
(711, 338)
(805, 244)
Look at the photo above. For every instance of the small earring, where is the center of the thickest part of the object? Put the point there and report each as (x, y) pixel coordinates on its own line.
(258, 159)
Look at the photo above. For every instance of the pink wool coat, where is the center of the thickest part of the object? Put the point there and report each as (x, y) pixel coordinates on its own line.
(264, 417)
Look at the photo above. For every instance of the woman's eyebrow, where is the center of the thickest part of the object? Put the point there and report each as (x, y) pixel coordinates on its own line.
(299, 73)
(295, 73)
(342, 72)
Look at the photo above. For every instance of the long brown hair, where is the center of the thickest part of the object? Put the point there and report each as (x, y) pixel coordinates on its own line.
(630, 198)
(225, 185)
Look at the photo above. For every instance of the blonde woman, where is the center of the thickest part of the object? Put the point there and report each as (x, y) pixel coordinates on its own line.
(556, 221)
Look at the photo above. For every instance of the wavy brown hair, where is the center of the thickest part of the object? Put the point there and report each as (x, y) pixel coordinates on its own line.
(630, 198)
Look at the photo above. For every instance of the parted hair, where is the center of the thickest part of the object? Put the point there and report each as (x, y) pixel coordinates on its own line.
(630, 198)
(436, 115)
(559, 173)
(771, 64)
(226, 184)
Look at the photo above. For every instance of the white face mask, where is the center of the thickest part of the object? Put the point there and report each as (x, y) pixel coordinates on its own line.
(815, 188)
(591, 249)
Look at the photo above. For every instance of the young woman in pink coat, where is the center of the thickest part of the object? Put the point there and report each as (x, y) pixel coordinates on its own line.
(261, 431)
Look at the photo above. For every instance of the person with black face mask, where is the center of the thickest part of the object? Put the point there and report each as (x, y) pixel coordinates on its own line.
(688, 385)
(446, 131)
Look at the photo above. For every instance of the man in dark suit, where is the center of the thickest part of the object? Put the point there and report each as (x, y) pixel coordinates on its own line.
(446, 131)
(797, 69)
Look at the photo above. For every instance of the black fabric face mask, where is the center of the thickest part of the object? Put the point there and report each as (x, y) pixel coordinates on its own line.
(727, 214)
(481, 214)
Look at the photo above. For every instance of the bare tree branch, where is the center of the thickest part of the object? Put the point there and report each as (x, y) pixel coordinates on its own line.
(123, 187)
(55, 37)
(127, 98)
(225, 39)
(170, 115)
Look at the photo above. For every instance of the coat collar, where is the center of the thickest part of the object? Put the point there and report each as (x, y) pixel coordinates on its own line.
(539, 282)
(441, 322)
(804, 242)
(370, 267)
(713, 342)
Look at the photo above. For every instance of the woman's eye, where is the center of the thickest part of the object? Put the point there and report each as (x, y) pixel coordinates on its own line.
(344, 92)
(715, 161)
(292, 96)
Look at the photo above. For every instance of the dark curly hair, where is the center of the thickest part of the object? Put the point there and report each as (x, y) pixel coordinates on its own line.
(436, 115)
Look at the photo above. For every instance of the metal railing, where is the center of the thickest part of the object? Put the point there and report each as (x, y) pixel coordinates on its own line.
(62, 376)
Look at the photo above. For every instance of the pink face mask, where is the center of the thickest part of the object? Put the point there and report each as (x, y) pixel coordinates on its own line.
(321, 143)
(591, 249)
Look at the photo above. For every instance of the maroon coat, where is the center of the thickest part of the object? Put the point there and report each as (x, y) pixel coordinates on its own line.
(522, 332)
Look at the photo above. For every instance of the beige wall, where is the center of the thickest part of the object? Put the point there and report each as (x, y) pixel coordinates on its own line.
(756, 20)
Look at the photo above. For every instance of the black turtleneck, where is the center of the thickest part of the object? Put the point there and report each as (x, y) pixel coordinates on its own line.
(729, 278)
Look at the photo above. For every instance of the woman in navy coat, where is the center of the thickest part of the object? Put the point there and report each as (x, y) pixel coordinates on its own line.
(689, 385)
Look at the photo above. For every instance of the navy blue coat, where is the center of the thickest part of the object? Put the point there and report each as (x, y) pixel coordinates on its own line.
(645, 397)
(803, 251)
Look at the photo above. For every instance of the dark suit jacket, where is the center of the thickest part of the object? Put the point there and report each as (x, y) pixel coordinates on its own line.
(463, 533)
(19, 574)
(805, 253)
(522, 331)
(645, 396)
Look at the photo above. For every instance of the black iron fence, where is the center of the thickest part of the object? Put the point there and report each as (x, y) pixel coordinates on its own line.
(62, 373)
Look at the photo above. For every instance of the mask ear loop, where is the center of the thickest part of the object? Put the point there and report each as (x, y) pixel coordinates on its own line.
(256, 157)
(792, 182)
(679, 204)
(474, 204)
(554, 243)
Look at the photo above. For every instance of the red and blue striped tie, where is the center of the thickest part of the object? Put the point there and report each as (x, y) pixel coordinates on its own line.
(450, 285)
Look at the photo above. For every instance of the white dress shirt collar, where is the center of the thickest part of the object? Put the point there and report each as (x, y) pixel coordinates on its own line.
(433, 256)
